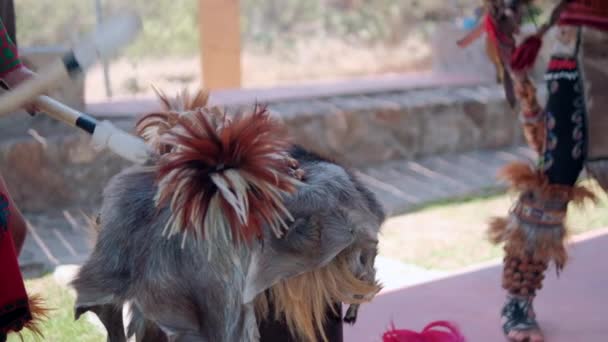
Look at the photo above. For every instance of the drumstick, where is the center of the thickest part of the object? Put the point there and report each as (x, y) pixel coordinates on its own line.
(106, 40)
(103, 134)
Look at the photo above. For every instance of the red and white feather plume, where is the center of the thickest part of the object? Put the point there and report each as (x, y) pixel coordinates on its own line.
(153, 125)
(222, 178)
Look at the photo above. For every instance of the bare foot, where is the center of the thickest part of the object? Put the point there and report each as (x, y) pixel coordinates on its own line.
(526, 336)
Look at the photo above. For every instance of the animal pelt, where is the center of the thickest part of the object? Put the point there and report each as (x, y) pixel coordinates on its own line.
(197, 289)
(536, 225)
(302, 301)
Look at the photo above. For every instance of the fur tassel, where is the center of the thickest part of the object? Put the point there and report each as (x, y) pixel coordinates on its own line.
(535, 240)
(536, 223)
(153, 125)
(430, 333)
(497, 231)
(224, 179)
(183, 102)
(39, 314)
(524, 57)
(303, 300)
(580, 194)
(524, 177)
(521, 176)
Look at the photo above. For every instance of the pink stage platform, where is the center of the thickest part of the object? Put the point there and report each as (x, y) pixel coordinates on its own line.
(573, 308)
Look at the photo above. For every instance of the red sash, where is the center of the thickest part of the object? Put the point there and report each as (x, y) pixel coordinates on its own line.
(14, 306)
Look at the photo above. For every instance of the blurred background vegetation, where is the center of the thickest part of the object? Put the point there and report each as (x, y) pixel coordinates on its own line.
(283, 41)
(170, 25)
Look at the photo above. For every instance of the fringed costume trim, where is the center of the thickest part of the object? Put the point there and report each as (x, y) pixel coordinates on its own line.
(535, 227)
(302, 301)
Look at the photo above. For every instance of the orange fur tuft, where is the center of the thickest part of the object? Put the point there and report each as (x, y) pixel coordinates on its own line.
(522, 176)
(183, 102)
(497, 230)
(579, 194)
(529, 235)
(224, 178)
(153, 125)
(303, 300)
(39, 314)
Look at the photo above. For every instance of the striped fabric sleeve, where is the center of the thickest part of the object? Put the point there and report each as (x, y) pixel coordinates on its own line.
(9, 57)
(591, 13)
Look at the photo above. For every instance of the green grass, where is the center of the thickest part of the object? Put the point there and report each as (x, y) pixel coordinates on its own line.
(60, 326)
(483, 194)
(451, 235)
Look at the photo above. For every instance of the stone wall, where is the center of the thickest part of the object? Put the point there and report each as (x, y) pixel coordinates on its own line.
(364, 130)
(55, 166)
(59, 172)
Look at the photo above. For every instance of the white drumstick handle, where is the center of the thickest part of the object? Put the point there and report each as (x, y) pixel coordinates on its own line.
(58, 110)
(104, 134)
(118, 141)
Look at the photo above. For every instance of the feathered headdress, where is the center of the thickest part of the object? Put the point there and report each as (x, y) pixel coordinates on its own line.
(222, 178)
(153, 125)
